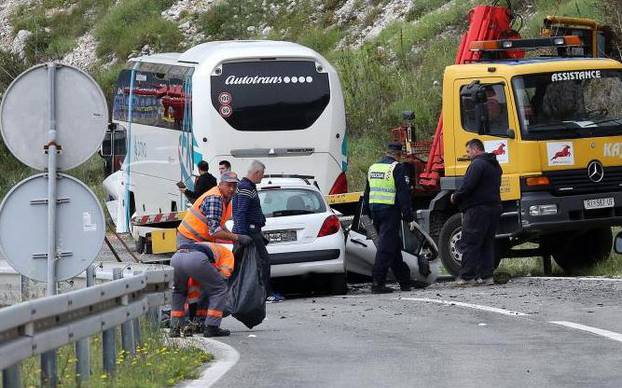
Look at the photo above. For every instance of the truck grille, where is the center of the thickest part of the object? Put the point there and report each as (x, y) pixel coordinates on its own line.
(574, 182)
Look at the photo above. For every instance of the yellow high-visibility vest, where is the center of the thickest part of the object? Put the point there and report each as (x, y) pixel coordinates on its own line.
(381, 183)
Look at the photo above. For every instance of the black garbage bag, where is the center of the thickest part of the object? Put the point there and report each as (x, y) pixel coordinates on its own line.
(246, 297)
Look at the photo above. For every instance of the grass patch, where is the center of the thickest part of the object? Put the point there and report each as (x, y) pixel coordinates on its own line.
(532, 266)
(147, 28)
(157, 363)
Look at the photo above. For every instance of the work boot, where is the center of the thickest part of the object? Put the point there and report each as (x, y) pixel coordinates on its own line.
(175, 332)
(176, 326)
(215, 331)
(416, 284)
(465, 283)
(196, 326)
(486, 282)
(187, 330)
(377, 288)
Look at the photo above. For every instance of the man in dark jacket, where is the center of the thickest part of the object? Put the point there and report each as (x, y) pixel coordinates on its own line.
(479, 199)
(248, 219)
(387, 200)
(204, 182)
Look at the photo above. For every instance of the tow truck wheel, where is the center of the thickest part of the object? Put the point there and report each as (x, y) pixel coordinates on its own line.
(583, 250)
(448, 243)
(448, 239)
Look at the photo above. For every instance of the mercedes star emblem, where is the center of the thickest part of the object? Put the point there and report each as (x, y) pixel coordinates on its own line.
(595, 171)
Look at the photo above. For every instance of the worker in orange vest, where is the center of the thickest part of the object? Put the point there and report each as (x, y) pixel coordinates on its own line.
(205, 220)
(210, 265)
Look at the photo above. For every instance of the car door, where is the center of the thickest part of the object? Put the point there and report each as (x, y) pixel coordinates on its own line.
(360, 250)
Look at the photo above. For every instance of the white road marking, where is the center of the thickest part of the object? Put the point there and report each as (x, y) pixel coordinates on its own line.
(225, 358)
(594, 330)
(468, 305)
(583, 278)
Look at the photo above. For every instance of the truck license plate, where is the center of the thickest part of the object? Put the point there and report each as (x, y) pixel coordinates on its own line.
(599, 203)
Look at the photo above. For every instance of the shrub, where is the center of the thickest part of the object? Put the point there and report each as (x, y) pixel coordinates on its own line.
(132, 24)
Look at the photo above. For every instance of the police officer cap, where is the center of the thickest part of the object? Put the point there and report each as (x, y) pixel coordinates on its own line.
(394, 147)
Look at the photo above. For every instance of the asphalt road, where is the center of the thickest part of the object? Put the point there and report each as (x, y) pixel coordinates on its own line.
(423, 339)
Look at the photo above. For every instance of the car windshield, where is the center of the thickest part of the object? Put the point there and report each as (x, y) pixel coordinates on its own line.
(569, 104)
(289, 202)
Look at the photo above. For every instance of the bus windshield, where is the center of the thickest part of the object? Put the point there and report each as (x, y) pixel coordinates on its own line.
(270, 95)
(569, 104)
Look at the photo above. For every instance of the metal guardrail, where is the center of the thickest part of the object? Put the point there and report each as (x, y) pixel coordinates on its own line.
(43, 325)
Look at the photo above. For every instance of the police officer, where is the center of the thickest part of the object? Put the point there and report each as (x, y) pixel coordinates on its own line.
(479, 199)
(387, 201)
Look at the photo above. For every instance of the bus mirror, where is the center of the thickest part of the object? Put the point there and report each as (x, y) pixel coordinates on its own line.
(106, 149)
(617, 245)
(120, 141)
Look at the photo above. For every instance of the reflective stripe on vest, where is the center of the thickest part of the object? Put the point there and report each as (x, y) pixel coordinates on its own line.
(382, 183)
(194, 225)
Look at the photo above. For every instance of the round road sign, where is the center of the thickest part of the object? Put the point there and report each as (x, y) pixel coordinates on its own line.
(80, 227)
(81, 116)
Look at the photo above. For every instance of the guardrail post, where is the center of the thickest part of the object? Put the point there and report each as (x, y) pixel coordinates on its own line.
(11, 376)
(83, 346)
(127, 329)
(153, 316)
(108, 337)
(136, 324)
(48, 369)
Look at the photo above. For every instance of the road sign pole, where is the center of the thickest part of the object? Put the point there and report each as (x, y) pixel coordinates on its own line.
(51, 149)
(48, 359)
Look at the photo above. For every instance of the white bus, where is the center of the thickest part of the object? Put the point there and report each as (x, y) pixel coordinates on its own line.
(277, 102)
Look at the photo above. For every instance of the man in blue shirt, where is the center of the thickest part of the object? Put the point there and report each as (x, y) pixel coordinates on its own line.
(248, 219)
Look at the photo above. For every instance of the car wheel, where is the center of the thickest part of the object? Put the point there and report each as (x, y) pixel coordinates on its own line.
(338, 284)
(583, 250)
(448, 240)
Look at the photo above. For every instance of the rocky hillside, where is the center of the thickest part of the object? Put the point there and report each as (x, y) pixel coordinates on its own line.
(390, 53)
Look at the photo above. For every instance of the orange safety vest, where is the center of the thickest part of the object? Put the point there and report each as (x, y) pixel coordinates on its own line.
(194, 225)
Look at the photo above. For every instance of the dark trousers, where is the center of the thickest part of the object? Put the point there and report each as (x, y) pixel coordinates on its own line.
(479, 225)
(213, 285)
(389, 250)
(260, 245)
(264, 257)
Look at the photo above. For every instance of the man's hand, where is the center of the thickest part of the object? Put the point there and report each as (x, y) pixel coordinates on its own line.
(182, 189)
(452, 199)
(244, 240)
(412, 225)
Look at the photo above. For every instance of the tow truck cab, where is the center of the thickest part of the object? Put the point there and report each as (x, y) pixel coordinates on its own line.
(555, 125)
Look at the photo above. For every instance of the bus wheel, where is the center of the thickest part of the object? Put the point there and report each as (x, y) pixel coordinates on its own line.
(582, 250)
(143, 245)
(448, 240)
